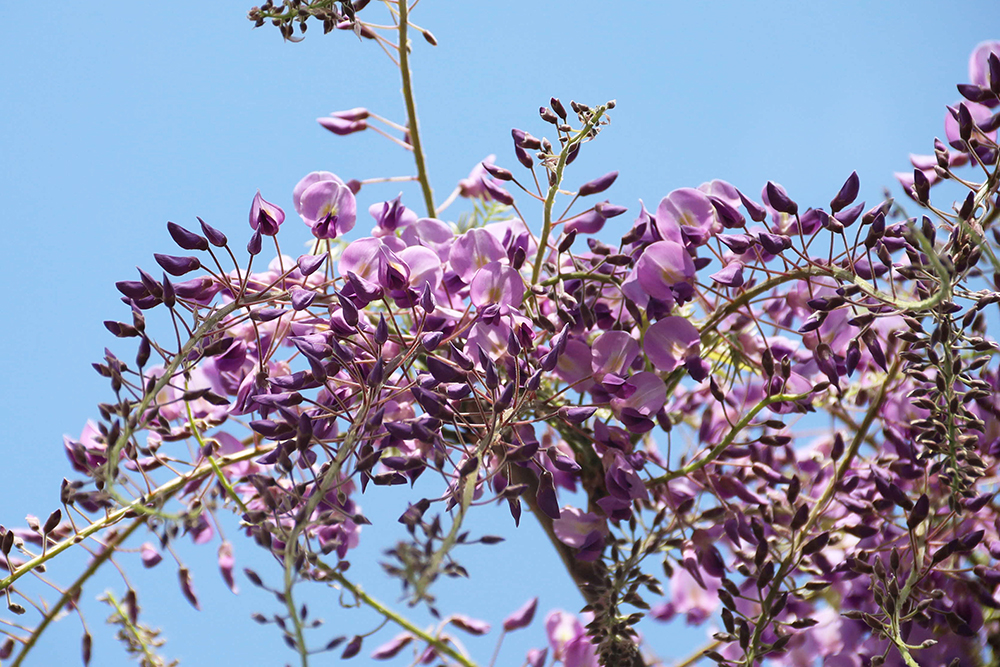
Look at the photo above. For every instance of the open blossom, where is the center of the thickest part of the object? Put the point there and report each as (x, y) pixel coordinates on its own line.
(265, 216)
(497, 285)
(326, 204)
(663, 265)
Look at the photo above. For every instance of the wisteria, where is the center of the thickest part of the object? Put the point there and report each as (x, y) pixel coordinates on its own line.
(650, 399)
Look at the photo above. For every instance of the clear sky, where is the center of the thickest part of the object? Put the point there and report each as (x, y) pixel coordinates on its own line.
(116, 117)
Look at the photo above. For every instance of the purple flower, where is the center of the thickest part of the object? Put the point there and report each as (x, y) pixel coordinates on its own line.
(685, 207)
(612, 354)
(472, 186)
(569, 640)
(662, 265)
(639, 399)
(472, 251)
(390, 216)
(499, 285)
(265, 216)
(979, 114)
(581, 530)
(979, 68)
(669, 342)
(372, 260)
(325, 204)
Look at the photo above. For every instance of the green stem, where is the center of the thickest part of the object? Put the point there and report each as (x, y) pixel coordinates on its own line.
(439, 645)
(411, 109)
(550, 198)
(110, 548)
(695, 466)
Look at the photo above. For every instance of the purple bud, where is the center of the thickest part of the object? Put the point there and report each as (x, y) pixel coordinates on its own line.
(522, 617)
(186, 239)
(757, 212)
(598, 184)
(169, 296)
(729, 216)
(430, 341)
(608, 210)
(847, 216)
(381, 330)
(348, 310)
(309, 263)
(253, 247)
(523, 157)
(188, 588)
(215, 237)
(498, 193)
(576, 415)
(779, 199)
(177, 266)
(546, 495)
(357, 113)
(427, 299)
(505, 400)
(498, 173)
(848, 193)
(341, 126)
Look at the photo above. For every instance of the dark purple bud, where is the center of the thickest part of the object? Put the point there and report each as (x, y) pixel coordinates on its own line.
(598, 184)
(498, 173)
(309, 263)
(870, 339)
(738, 243)
(381, 330)
(348, 309)
(353, 648)
(576, 415)
(977, 503)
(608, 210)
(975, 93)
(774, 243)
(365, 290)
(965, 212)
(188, 588)
(853, 356)
(523, 139)
(253, 247)
(848, 193)
(573, 152)
(169, 296)
(523, 157)
(215, 237)
(505, 400)
(728, 216)
(430, 341)
(757, 212)
(377, 374)
(133, 289)
(558, 107)
(427, 299)
(816, 544)
(302, 298)
(354, 185)
(779, 199)
(546, 495)
(849, 215)
(430, 402)
(177, 266)
(994, 64)
(120, 329)
(186, 239)
(461, 359)
(965, 123)
(921, 186)
(498, 193)
(535, 381)
(919, 512)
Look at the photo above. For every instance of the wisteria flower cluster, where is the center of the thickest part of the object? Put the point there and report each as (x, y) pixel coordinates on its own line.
(646, 399)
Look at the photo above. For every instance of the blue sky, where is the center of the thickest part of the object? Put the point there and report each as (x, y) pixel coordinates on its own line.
(117, 117)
